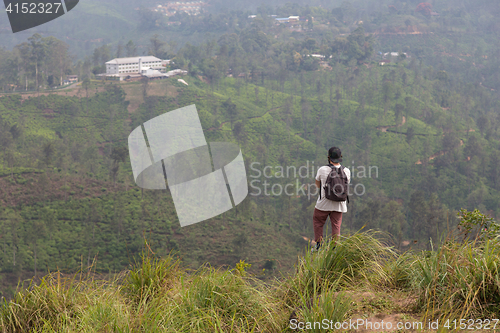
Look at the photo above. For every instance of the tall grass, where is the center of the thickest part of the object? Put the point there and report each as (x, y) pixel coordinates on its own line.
(158, 295)
(216, 301)
(349, 260)
(461, 279)
(64, 304)
(326, 305)
(150, 277)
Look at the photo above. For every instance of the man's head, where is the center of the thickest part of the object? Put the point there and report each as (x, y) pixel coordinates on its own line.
(335, 155)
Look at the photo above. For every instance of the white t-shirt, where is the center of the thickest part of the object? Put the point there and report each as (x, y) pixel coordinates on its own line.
(325, 204)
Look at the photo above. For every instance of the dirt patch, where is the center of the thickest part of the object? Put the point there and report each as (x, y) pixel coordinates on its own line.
(204, 79)
(387, 323)
(385, 128)
(382, 311)
(440, 153)
(155, 88)
(48, 113)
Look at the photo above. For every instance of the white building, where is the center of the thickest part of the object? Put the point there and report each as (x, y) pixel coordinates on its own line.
(133, 65)
(394, 54)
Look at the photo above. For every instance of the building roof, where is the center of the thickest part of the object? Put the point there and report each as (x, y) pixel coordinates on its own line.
(120, 61)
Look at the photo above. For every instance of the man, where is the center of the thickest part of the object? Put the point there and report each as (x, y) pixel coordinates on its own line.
(326, 207)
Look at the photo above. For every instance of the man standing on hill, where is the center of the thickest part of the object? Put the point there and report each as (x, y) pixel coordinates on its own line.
(332, 180)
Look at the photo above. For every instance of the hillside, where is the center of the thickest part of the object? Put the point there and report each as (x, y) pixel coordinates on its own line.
(68, 196)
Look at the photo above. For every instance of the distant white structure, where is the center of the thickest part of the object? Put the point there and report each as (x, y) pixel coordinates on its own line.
(72, 78)
(177, 72)
(394, 54)
(287, 19)
(318, 56)
(133, 65)
(155, 74)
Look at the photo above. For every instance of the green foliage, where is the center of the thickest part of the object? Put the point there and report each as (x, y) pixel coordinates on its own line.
(241, 267)
(477, 223)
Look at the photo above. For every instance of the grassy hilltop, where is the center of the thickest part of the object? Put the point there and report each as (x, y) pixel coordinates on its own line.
(360, 280)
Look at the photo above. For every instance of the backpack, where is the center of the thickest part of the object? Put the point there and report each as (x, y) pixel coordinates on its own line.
(336, 185)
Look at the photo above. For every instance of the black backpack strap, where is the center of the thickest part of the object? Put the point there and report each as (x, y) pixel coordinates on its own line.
(344, 172)
(331, 166)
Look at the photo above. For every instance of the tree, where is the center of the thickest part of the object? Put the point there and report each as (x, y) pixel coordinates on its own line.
(393, 220)
(33, 233)
(231, 110)
(117, 155)
(119, 50)
(145, 87)
(9, 70)
(50, 80)
(239, 131)
(86, 86)
(99, 58)
(150, 20)
(360, 47)
(33, 54)
(58, 59)
(494, 172)
(410, 133)
(38, 53)
(388, 92)
(338, 97)
(418, 213)
(482, 123)
(398, 112)
(130, 49)
(424, 8)
(310, 23)
(442, 76)
(450, 141)
(473, 147)
(306, 109)
(157, 47)
(48, 152)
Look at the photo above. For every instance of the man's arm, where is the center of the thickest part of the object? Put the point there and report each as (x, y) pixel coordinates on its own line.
(318, 184)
